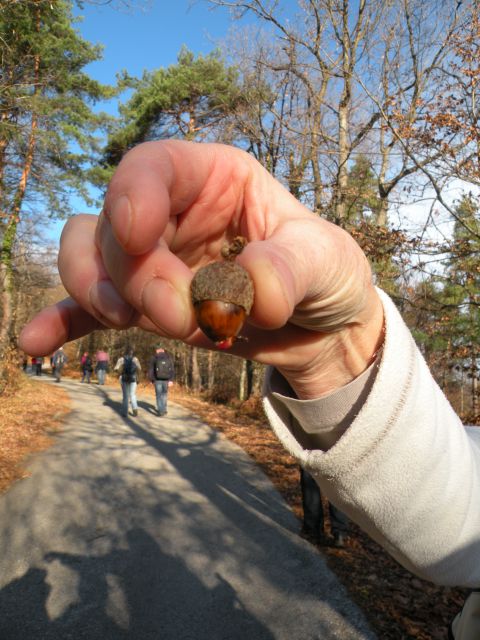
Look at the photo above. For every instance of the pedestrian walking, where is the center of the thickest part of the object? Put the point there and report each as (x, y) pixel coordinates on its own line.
(101, 365)
(87, 367)
(161, 373)
(37, 364)
(59, 360)
(129, 368)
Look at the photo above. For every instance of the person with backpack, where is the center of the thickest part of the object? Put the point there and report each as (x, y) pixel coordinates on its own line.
(87, 367)
(59, 360)
(129, 367)
(161, 372)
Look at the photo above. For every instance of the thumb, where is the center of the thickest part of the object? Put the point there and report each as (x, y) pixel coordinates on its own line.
(309, 273)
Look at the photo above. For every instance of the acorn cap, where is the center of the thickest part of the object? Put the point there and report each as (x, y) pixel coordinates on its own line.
(226, 281)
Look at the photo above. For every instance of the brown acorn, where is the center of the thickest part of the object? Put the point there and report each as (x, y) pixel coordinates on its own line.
(222, 296)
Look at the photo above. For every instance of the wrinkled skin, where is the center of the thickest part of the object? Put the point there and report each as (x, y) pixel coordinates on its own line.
(169, 209)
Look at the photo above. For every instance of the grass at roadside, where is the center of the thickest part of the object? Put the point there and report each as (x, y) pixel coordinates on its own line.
(28, 417)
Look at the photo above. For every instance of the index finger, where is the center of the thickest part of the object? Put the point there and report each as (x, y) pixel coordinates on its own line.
(157, 180)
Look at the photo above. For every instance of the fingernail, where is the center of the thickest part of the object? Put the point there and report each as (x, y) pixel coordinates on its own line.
(120, 214)
(109, 305)
(165, 307)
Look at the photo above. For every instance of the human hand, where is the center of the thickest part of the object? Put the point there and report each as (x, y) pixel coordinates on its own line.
(169, 209)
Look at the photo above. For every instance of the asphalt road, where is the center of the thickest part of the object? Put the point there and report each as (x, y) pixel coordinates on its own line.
(157, 528)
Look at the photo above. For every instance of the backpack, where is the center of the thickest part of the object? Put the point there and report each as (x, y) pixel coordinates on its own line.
(129, 373)
(59, 359)
(162, 369)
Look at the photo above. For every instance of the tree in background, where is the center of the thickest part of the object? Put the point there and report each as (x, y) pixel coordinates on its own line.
(444, 312)
(356, 66)
(448, 124)
(47, 128)
(384, 246)
(461, 295)
(356, 107)
(190, 100)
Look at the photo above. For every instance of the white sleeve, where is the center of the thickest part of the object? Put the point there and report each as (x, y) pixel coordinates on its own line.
(405, 470)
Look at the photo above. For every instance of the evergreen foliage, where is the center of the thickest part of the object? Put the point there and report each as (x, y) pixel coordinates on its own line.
(188, 100)
(48, 129)
(46, 95)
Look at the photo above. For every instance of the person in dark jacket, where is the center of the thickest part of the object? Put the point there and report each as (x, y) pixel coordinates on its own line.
(128, 366)
(37, 364)
(161, 373)
(87, 367)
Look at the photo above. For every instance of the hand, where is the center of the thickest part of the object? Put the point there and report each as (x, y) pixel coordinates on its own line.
(169, 209)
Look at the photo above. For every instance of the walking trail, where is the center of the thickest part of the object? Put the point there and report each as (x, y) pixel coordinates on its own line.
(157, 528)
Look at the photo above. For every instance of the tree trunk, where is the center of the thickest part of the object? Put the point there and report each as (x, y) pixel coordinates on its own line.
(194, 370)
(211, 370)
(8, 245)
(343, 154)
(7, 249)
(242, 384)
(474, 387)
(250, 375)
(382, 215)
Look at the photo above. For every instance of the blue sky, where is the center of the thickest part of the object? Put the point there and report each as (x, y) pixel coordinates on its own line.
(135, 39)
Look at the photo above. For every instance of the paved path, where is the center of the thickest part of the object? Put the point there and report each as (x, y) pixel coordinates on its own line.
(147, 528)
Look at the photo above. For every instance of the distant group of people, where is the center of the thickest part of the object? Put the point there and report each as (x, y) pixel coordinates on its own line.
(37, 365)
(160, 372)
(99, 366)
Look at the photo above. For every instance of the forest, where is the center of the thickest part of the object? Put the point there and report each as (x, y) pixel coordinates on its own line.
(366, 111)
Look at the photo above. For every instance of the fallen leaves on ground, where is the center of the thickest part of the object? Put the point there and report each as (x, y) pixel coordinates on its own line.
(28, 417)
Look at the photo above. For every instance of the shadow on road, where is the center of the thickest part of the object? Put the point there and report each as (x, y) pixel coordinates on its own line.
(146, 528)
(135, 592)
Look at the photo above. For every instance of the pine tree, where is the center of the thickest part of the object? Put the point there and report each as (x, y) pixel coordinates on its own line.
(363, 209)
(47, 128)
(461, 297)
(188, 100)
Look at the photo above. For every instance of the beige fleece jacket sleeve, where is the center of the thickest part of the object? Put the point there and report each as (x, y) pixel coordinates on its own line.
(402, 467)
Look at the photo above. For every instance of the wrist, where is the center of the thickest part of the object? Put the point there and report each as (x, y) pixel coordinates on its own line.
(341, 356)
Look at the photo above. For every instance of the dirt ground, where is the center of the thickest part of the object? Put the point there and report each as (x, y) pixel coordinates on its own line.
(398, 605)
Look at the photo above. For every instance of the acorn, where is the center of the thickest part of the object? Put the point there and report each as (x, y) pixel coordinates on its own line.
(222, 296)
